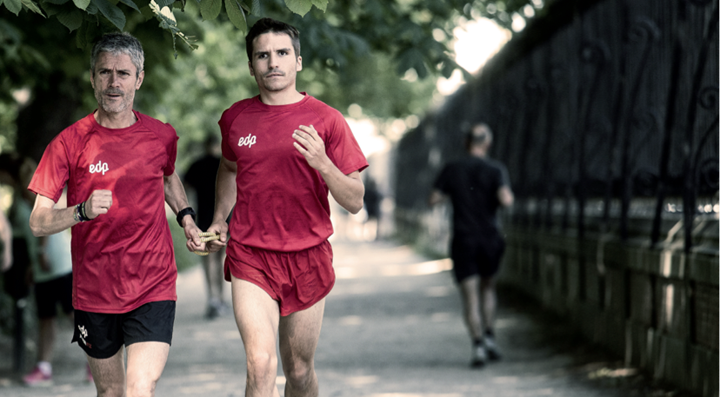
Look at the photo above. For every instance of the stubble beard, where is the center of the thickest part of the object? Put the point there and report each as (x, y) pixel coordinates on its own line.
(116, 106)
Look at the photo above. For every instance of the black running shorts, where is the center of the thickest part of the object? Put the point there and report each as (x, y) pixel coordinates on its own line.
(473, 255)
(102, 334)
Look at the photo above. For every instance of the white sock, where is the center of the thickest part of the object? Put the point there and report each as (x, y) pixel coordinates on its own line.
(45, 367)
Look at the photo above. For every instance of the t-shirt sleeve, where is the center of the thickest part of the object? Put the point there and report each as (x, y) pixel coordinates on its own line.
(171, 148)
(225, 122)
(53, 171)
(341, 146)
(504, 176)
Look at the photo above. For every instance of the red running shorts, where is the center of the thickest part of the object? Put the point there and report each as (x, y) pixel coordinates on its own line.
(296, 280)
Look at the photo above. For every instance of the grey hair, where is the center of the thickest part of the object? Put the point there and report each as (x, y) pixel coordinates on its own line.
(119, 43)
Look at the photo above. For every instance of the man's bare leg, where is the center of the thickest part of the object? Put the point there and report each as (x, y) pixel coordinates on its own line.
(299, 334)
(489, 302)
(470, 291)
(146, 361)
(109, 374)
(257, 316)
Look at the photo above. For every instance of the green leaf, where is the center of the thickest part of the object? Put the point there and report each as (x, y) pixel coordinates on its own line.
(111, 12)
(82, 4)
(130, 4)
(58, 2)
(320, 4)
(300, 7)
(33, 7)
(51, 9)
(210, 9)
(164, 3)
(80, 41)
(71, 19)
(254, 7)
(14, 6)
(236, 14)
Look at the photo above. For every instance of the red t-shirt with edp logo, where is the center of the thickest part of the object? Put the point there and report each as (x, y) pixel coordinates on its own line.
(122, 259)
(282, 202)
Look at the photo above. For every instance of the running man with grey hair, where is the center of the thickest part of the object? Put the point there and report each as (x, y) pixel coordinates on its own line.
(119, 167)
(477, 187)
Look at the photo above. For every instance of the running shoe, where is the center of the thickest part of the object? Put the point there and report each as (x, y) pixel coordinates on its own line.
(37, 378)
(493, 353)
(479, 356)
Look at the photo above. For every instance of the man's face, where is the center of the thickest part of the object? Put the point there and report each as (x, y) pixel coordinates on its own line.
(274, 64)
(115, 81)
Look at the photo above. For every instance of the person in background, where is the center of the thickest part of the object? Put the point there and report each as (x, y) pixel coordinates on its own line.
(200, 177)
(53, 287)
(477, 187)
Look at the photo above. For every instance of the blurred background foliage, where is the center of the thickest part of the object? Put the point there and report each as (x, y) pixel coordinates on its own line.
(383, 55)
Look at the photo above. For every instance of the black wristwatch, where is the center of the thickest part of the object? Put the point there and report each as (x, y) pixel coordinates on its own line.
(183, 212)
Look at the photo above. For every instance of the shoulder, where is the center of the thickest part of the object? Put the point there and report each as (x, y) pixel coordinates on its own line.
(77, 130)
(322, 108)
(163, 130)
(236, 108)
(153, 123)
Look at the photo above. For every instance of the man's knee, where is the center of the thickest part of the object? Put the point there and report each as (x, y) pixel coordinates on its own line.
(141, 388)
(299, 373)
(110, 390)
(262, 365)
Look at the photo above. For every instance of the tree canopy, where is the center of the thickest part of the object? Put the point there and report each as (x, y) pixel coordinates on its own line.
(353, 52)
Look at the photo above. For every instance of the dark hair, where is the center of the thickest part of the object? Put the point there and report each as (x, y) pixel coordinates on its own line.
(480, 138)
(119, 43)
(269, 25)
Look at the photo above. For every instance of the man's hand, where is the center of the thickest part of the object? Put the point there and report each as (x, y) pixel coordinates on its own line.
(220, 228)
(192, 235)
(311, 146)
(98, 203)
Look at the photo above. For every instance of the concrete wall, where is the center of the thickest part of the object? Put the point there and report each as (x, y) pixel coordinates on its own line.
(657, 307)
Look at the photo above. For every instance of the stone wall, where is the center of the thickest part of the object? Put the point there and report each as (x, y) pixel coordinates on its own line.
(656, 307)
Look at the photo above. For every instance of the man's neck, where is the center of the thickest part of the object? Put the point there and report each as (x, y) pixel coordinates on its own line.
(115, 120)
(281, 98)
(478, 152)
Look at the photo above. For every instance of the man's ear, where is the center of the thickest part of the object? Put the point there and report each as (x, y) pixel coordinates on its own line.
(298, 66)
(141, 78)
(252, 71)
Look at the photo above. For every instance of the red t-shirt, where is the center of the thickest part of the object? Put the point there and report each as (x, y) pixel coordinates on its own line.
(122, 259)
(282, 202)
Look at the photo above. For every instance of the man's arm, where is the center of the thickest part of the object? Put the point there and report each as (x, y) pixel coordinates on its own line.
(347, 190)
(225, 196)
(46, 220)
(6, 236)
(436, 197)
(505, 196)
(177, 200)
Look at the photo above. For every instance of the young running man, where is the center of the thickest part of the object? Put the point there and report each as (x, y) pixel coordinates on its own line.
(477, 187)
(283, 150)
(119, 166)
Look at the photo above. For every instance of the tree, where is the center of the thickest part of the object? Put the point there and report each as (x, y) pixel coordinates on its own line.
(44, 46)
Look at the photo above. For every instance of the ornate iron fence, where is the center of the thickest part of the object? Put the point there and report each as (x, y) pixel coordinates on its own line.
(603, 111)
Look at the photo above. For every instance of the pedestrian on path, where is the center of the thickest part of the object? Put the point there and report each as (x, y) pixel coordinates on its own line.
(477, 187)
(119, 167)
(283, 150)
(200, 178)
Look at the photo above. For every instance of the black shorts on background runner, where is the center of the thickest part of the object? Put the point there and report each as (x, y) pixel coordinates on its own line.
(473, 255)
(101, 335)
